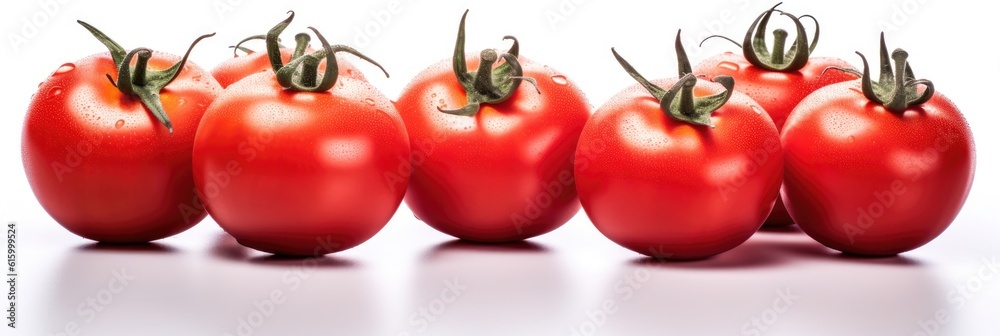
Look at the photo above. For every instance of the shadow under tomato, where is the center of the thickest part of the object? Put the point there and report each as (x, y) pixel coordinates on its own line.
(519, 288)
(128, 248)
(459, 245)
(751, 254)
(787, 229)
(227, 248)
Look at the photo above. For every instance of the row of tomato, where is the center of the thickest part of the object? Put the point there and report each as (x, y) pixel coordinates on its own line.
(293, 152)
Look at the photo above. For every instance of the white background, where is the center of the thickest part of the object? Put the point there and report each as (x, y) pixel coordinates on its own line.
(201, 283)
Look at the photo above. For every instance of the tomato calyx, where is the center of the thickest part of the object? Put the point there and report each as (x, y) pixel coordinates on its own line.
(301, 74)
(140, 81)
(896, 88)
(777, 59)
(679, 101)
(487, 85)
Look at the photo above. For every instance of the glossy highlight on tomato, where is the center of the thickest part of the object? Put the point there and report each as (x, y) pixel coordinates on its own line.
(880, 168)
(778, 82)
(676, 182)
(294, 163)
(98, 160)
(492, 171)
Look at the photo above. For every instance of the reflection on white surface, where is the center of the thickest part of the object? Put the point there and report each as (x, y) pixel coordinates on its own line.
(778, 283)
(233, 291)
(508, 289)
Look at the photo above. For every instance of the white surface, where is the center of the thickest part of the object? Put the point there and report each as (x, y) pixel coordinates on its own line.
(200, 283)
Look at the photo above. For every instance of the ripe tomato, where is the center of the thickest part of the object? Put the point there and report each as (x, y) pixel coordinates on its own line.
(877, 168)
(296, 168)
(99, 161)
(688, 173)
(776, 81)
(492, 160)
(240, 67)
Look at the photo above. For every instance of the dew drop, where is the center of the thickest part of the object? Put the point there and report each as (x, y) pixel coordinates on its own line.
(55, 91)
(181, 101)
(370, 101)
(850, 139)
(119, 123)
(65, 68)
(441, 101)
(729, 65)
(559, 79)
(433, 95)
(756, 109)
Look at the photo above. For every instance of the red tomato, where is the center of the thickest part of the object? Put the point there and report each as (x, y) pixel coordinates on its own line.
(98, 160)
(663, 183)
(239, 67)
(503, 171)
(869, 175)
(777, 87)
(299, 170)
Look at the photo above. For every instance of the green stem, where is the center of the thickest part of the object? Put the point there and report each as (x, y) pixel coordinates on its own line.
(142, 82)
(679, 101)
(487, 85)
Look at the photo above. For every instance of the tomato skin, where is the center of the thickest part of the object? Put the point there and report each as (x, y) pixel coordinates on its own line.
(504, 174)
(669, 189)
(302, 173)
(777, 92)
(239, 67)
(102, 165)
(863, 180)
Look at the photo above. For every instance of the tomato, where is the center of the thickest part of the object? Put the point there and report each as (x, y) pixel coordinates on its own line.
(877, 168)
(492, 159)
(776, 81)
(297, 168)
(98, 159)
(239, 67)
(686, 174)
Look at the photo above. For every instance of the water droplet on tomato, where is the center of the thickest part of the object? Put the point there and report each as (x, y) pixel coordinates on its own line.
(729, 65)
(55, 91)
(350, 72)
(441, 101)
(181, 101)
(119, 123)
(756, 109)
(370, 101)
(433, 95)
(65, 68)
(560, 79)
(850, 139)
